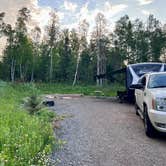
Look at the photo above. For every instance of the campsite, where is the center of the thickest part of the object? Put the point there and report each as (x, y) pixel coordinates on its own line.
(82, 83)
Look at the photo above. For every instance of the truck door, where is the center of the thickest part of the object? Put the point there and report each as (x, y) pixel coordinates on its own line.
(140, 93)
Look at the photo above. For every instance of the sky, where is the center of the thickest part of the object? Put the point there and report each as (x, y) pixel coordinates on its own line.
(74, 10)
(71, 12)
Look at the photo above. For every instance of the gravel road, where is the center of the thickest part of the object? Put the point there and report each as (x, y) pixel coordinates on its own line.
(103, 132)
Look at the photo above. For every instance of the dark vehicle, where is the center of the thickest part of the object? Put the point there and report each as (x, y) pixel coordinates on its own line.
(132, 74)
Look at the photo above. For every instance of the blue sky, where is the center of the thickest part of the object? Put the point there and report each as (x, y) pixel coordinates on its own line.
(134, 8)
(71, 12)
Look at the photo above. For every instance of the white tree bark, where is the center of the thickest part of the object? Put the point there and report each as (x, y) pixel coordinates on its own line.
(76, 72)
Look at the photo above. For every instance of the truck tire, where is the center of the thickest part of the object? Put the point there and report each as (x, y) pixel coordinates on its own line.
(149, 129)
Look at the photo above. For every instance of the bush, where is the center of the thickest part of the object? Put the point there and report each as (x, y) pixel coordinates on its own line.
(33, 104)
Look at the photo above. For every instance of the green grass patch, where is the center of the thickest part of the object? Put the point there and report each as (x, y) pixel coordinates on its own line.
(24, 139)
(108, 90)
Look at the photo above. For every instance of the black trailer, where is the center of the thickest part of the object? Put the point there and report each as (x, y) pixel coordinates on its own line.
(132, 74)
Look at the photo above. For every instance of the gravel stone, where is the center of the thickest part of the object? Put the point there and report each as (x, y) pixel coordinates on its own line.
(103, 132)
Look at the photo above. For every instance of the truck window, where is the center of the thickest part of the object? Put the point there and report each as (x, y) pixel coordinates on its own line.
(146, 68)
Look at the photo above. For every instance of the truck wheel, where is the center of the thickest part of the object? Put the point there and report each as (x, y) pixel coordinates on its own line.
(136, 109)
(149, 129)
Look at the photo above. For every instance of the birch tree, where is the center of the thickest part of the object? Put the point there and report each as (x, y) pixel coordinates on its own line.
(22, 42)
(83, 32)
(100, 38)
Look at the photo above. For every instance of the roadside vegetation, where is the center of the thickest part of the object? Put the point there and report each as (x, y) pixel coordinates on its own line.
(25, 139)
(109, 90)
(26, 135)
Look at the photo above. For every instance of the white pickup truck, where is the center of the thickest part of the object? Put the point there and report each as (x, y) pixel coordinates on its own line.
(150, 95)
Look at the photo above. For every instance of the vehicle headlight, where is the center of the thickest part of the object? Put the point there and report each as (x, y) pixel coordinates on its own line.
(160, 104)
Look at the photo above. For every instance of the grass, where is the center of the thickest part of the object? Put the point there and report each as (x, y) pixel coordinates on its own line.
(28, 139)
(24, 139)
(109, 90)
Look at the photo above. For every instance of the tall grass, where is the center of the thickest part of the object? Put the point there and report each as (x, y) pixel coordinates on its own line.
(24, 139)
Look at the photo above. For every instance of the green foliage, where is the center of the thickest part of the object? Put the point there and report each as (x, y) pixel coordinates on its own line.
(86, 74)
(136, 42)
(24, 139)
(55, 59)
(33, 104)
(46, 115)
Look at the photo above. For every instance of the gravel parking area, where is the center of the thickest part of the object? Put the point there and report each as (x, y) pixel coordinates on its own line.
(103, 132)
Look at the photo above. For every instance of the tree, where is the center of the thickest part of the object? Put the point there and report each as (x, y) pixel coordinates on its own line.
(155, 35)
(70, 56)
(7, 31)
(65, 64)
(23, 43)
(44, 63)
(123, 40)
(101, 43)
(141, 41)
(53, 33)
(36, 36)
(10, 55)
(83, 31)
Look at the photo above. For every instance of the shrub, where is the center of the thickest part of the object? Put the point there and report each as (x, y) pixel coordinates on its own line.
(33, 104)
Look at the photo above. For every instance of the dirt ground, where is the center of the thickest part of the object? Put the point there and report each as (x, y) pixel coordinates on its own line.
(103, 132)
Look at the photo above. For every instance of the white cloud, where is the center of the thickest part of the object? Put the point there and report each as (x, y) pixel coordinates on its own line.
(70, 6)
(145, 2)
(70, 26)
(111, 10)
(39, 15)
(107, 9)
(145, 12)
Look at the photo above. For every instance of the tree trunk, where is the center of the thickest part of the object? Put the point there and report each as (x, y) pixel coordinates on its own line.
(101, 63)
(51, 65)
(76, 72)
(21, 73)
(99, 83)
(32, 72)
(12, 70)
(32, 75)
